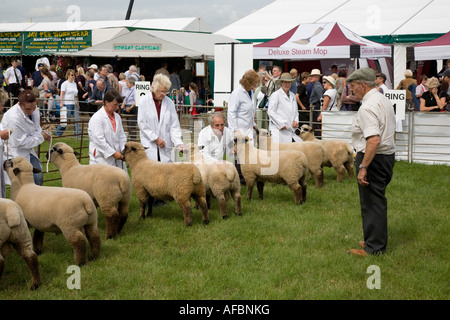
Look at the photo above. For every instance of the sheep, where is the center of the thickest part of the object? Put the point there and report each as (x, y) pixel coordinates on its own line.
(219, 178)
(14, 231)
(165, 181)
(54, 209)
(287, 167)
(108, 186)
(338, 153)
(313, 151)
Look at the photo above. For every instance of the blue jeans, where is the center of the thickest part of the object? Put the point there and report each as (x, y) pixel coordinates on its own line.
(38, 177)
(71, 111)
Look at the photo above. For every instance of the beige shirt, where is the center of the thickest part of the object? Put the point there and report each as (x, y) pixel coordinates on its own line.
(375, 117)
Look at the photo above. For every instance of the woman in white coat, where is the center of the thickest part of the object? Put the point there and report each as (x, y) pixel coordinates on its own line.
(106, 135)
(158, 122)
(283, 112)
(242, 106)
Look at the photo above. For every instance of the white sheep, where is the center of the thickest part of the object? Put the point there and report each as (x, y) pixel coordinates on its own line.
(339, 153)
(313, 151)
(165, 181)
(54, 209)
(108, 186)
(286, 167)
(14, 231)
(219, 178)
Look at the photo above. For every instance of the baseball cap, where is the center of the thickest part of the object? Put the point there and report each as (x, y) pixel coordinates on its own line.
(40, 64)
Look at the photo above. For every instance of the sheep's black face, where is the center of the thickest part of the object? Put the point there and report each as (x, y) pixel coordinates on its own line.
(7, 164)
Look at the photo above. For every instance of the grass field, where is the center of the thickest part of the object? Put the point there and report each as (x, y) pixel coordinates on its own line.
(275, 251)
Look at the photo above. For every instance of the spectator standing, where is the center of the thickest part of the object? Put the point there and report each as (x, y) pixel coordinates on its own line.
(193, 101)
(421, 88)
(403, 85)
(46, 89)
(106, 135)
(315, 98)
(13, 79)
(373, 130)
(24, 74)
(329, 96)
(129, 108)
(80, 80)
(340, 83)
(294, 85)
(175, 80)
(163, 70)
(69, 103)
(381, 82)
(122, 84)
(302, 99)
(94, 69)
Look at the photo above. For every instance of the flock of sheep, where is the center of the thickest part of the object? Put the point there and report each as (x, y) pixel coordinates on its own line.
(72, 208)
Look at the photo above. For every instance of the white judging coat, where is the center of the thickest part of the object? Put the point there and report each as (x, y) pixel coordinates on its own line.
(282, 112)
(241, 112)
(167, 128)
(103, 141)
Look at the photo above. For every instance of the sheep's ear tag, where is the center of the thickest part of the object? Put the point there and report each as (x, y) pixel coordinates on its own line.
(16, 171)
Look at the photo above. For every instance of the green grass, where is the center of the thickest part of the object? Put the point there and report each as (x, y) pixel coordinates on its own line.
(275, 250)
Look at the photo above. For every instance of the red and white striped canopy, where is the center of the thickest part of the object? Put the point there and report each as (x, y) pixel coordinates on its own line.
(438, 48)
(311, 41)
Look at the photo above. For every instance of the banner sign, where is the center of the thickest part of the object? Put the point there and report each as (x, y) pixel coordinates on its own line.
(142, 88)
(53, 42)
(137, 47)
(10, 42)
(48, 42)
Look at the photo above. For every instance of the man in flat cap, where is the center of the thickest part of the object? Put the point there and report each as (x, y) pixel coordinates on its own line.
(373, 129)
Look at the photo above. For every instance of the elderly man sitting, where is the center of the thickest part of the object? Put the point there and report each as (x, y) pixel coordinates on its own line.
(216, 141)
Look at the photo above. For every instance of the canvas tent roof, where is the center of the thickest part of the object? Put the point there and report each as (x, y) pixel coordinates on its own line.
(431, 50)
(158, 44)
(320, 41)
(383, 21)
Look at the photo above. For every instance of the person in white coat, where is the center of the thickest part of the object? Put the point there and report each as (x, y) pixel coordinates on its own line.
(242, 106)
(23, 121)
(158, 122)
(106, 135)
(216, 141)
(282, 112)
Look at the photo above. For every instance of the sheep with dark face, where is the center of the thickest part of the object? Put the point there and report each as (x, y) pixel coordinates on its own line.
(108, 186)
(281, 167)
(165, 181)
(338, 153)
(53, 209)
(14, 231)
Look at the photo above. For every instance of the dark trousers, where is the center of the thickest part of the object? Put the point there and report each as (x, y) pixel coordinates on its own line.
(373, 201)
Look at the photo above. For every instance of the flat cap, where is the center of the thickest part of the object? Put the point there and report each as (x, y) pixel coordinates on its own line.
(446, 73)
(363, 74)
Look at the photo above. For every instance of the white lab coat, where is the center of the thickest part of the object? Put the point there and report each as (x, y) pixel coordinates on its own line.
(26, 134)
(103, 141)
(241, 112)
(213, 149)
(282, 111)
(167, 128)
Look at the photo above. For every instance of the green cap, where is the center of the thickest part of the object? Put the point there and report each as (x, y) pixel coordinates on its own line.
(363, 74)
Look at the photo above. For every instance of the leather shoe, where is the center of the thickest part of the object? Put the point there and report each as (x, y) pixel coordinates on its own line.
(358, 252)
(362, 244)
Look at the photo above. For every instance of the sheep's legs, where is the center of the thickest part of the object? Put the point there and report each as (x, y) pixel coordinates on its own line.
(319, 178)
(78, 242)
(201, 200)
(340, 172)
(260, 187)
(237, 202)
(298, 195)
(187, 212)
(38, 240)
(93, 238)
(349, 166)
(31, 259)
(2, 263)
(112, 223)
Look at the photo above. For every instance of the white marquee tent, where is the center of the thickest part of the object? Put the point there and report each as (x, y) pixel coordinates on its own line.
(158, 44)
(431, 50)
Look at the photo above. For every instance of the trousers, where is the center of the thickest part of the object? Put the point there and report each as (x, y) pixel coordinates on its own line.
(373, 201)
